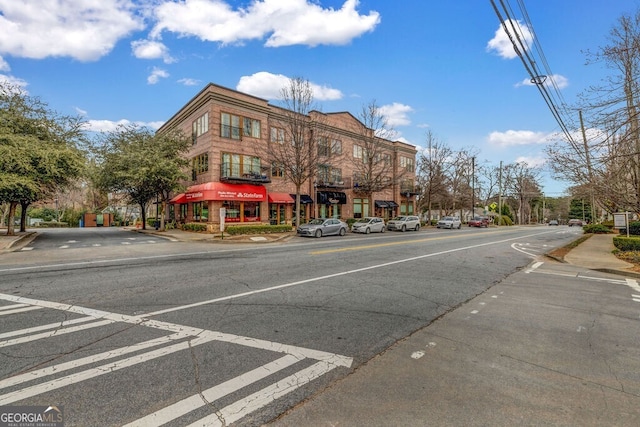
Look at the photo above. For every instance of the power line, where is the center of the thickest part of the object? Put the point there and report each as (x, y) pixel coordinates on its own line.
(523, 50)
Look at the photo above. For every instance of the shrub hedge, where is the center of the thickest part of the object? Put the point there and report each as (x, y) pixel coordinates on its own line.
(257, 229)
(194, 226)
(596, 229)
(634, 228)
(627, 244)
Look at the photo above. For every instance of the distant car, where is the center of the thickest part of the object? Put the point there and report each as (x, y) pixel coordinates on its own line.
(404, 223)
(369, 225)
(323, 227)
(576, 222)
(449, 222)
(553, 222)
(479, 221)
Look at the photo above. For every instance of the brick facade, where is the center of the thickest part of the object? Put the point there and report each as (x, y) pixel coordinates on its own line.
(229, 131)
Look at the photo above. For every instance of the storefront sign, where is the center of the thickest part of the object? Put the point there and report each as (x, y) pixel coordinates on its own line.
(223, 191)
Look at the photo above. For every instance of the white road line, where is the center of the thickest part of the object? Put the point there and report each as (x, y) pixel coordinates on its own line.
(212, 394)
(18, 310)
(57, 332)
(55, 369)
(330, 276)
(533, 267)
(27, 248)
(12, 306)
(45, 327)
(267, 395)
(99, 371)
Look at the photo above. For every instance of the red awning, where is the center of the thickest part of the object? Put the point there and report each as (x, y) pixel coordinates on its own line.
(223, 191)
(180, 198)
(280, 198)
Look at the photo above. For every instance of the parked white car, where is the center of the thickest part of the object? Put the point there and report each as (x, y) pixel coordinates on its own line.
(369, 225)
(404, 223)
(450, 222)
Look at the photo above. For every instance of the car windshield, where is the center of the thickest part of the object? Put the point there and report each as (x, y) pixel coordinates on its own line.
(365, 220)
(447, 218)
(399, 218)
(316, 222)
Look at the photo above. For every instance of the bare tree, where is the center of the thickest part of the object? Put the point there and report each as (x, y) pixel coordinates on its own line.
(522, 184)
(373, 165)
(432, 176)
(605, 157)
(295, 131)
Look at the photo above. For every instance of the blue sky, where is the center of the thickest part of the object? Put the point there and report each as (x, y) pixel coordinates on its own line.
(431, 65)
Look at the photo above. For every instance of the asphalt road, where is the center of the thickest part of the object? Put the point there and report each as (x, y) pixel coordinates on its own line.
(153, 331)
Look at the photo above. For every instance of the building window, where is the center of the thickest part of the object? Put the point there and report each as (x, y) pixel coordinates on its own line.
(242, 211)
(358, 152)
(407, 163)
(237, 165)
(329, 175)
(229, 126)
(336, 147)
(200, 126)
(277, 170)
(277, 135)
(323, 147)
(251, 127)
(360, 208)
(200, 164)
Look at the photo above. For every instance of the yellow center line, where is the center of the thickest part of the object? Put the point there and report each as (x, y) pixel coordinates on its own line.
(380, 245)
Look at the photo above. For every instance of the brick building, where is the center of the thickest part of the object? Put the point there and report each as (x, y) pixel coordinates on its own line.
(228, 129)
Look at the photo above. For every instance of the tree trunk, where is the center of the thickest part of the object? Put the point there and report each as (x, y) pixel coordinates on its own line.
(12, 213)
(23, 217)
(143, 210)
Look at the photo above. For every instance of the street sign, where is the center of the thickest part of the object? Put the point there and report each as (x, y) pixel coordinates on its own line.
(223, 213)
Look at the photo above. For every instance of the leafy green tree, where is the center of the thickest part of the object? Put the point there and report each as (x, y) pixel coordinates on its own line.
(142, 165)
(39, 151)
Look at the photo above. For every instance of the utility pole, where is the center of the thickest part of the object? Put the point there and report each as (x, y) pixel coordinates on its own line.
(473, 187)
(500, 194)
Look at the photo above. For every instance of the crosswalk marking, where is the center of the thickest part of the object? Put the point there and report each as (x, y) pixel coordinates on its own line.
(181, 338)
(18, 310)
(212, 394)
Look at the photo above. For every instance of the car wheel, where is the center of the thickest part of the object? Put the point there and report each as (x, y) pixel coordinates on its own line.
(343, 231)
(404, 228)
(459, 226)
(383, 229)
(417, 227)
(367, 230)
(318, 233)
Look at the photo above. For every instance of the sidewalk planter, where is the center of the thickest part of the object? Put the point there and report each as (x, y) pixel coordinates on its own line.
(627, 244)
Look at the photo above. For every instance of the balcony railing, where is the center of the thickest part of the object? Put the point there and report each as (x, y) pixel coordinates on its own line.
(409, 191)
(231, 173)
(324, 183)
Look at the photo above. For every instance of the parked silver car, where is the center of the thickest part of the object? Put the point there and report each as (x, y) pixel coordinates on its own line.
(369, 225)
(404, 223)
(323, 227)
(449, 222)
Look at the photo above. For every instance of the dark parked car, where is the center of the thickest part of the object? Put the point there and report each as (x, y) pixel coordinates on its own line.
(479, 221)
(323, 227)
(553, 222)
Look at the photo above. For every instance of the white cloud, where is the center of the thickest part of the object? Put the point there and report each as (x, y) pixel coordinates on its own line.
(513, 138)
(14, 81)
(81, 111)
(4, 65)
(532, 162)
(84, 30)
(110, 125)
(189, 82)
(156, 75)
(269, 86)
(560, 81)
(149, 49)
(502, 45)
(284, 23)
(396, 114)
